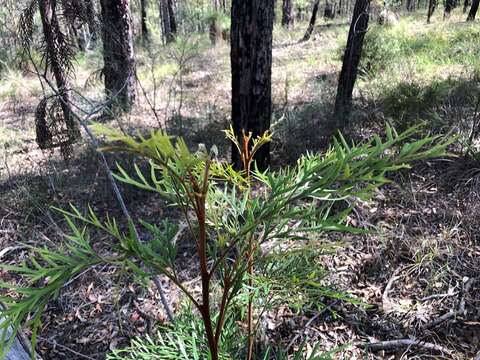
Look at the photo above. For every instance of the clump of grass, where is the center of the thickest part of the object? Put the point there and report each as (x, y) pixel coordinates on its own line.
(435, 102)
(386, 49)
(16, 87)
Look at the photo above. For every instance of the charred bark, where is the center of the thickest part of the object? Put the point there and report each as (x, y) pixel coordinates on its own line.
(351, 60)
(313, 20)
(118, 54)
(449, 6)
(143, 21)
(168, 34)
(251, 63)
(172, 18)
(473, 10)
(432, 4)
(287, 14)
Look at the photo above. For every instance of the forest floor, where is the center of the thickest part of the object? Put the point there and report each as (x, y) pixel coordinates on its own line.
(417, 273)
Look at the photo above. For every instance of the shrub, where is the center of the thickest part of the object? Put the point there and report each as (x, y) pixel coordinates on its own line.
(241, 223)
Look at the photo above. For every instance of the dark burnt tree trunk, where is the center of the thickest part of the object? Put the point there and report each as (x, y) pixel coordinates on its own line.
(251, 62)
(473, 10)
(351, 60)
(287, 14)
(172, 18)
(118, 55)
(432, 4)
(313, 20)
(143, 20)
(92, 22)
(449, 5)
(168, 34)
(56, 62)
(466, 4)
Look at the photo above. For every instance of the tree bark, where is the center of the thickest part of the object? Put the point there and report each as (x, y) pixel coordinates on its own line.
(287, 14)
(313, 20)
(166, 22)
(351, 60)
(118, 54)
(432, 4)
(172, 18)
(143, 14)
(51, 32)
(473, 10)
(251, 63)
(449, 5)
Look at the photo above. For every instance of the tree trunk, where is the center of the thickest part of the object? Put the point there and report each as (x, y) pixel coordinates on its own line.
(473, 10)
(143, 14)
(118, 55)
(313, 20)
(432, 4)
(51, 33)
(449, 5)
(251, 62)
(466, 4)
(166, 22)
(351, 60)
(172, 18)
(287, 14)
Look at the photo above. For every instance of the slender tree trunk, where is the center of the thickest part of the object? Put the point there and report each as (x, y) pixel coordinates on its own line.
(118, 54)
(143, 14)
(287, 14)
(432, 4)
(251, 62)
(449, 5)
(466, 4)
(351, 60)
(51, 32)
(172, 18)
(313, 20)
(473, 10)
(166, 23)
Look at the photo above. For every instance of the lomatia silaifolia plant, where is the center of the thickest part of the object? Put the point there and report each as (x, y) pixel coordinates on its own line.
(241, 223)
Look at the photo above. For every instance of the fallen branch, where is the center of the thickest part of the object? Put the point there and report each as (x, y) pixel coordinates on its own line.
(460, 310)
(9, 249)
(394, 344)
(437, 296)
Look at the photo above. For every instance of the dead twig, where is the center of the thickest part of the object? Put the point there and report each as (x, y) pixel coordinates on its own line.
(459, 311)
(437, 296)
(394, 344)
(316, 316)
(66, 348)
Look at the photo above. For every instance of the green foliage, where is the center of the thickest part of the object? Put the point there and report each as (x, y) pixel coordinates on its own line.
(50, 268)
(388, 48)
(410, 101)
(238, 220)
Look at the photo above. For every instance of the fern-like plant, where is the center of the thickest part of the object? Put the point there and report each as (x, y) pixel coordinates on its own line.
(241, 223)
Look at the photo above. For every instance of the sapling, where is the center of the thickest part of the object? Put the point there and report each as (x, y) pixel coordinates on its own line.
(237, 220)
